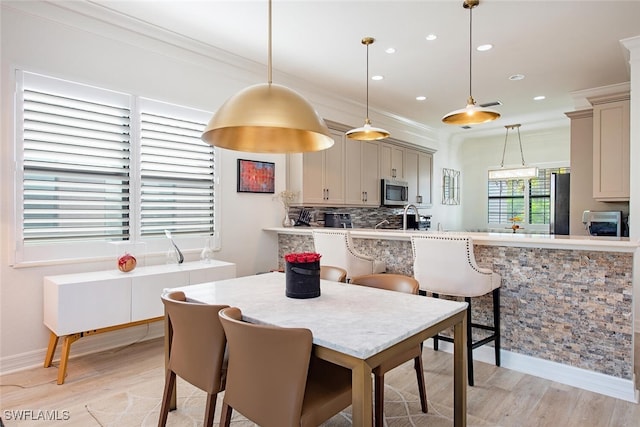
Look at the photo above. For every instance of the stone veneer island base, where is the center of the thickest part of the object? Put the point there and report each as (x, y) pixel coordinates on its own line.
(565, 300)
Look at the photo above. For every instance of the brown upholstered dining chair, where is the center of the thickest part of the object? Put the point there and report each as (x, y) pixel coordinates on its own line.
(335, 274)
(274, 380)
(196, 351)
(399, 283)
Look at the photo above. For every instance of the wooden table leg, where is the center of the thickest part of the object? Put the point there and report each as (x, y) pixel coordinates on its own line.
(361, 392)
(460, 372)
(64, 357)
(51, 349)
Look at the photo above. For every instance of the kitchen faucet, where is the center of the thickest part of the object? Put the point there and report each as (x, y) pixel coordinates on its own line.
(404, 215)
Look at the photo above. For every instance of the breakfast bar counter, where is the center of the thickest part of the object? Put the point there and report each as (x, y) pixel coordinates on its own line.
(566, 301)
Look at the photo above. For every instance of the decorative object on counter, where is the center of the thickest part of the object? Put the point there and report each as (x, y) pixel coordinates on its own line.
(513, 173)
(127, 263)
(129, 254)
(207, 253)
(302, 272)
(255, 176)
(471, 114)
(268, 118)
(174, 256)
(367, 132)
(450, 187)
(514, 220)
(304, 218)
(287, 197)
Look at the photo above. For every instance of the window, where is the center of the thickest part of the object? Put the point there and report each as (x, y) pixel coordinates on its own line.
(97, 166)
(526, 199)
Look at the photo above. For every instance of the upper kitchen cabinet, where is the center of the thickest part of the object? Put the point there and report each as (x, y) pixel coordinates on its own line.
(323, 175)
(392, 161)
(417, 172)
(362, 175)
(611, 135)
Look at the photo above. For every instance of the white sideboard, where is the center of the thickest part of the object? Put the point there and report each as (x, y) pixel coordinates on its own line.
(77, 305)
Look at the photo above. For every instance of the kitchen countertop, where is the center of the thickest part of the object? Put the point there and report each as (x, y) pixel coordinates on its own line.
(548, 241)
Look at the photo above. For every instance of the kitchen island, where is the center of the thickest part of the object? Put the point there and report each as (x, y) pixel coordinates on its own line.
(566, 301)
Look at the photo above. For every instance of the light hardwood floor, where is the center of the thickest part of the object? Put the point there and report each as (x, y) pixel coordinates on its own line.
(500, 397)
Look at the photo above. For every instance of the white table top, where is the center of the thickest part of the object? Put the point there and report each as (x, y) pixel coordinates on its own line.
(354, 320)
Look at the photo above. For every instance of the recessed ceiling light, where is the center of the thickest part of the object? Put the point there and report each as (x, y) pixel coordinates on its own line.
(484, 47)
(516, 77)
(390, 50)
(421, 98)
(539, 98)
(377, 77)
(431, 37)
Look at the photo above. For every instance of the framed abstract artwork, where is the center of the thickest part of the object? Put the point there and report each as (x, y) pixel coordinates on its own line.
(256, 177)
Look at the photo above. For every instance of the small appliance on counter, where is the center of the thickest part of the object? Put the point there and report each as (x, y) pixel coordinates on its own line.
(604, 223)
(337, 220)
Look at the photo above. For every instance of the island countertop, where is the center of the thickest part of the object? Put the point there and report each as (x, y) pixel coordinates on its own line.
(546, 241)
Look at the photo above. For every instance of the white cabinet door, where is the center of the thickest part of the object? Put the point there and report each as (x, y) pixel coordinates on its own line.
(334, 170)
(353, 172)
(371, 173)
(72, 306)
(323, 174)
(392, 161)
(425, 166)
(362, 175)
(611, 136)
(146, 291)
(418, 175)
(313, 189)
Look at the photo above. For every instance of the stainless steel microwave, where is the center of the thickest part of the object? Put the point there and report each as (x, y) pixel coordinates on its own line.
(394, 192)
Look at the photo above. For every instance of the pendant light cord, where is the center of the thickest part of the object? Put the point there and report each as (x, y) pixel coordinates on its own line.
(470, 48)
(269, 75)
(367, 79)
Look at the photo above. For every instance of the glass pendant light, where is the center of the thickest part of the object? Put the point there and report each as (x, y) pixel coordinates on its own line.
(471, 114)
(523, 172)
(367, 132)
(268, 118)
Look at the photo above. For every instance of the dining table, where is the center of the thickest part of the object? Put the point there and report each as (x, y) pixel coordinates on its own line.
(353, 326)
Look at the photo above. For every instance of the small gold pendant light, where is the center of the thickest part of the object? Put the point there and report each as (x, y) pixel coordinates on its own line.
(471, 114)
(367, 132)
(268, 118)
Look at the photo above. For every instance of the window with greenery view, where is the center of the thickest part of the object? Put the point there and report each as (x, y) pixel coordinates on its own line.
(527, 199)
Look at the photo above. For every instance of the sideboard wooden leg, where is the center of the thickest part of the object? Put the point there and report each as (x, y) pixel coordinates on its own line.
(64, 357)
(51, 349)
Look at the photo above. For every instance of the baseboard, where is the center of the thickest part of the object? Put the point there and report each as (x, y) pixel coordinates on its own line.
(86, 345)
(564, 374)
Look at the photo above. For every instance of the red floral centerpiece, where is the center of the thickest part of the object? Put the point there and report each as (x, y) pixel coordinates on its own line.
(302, 272)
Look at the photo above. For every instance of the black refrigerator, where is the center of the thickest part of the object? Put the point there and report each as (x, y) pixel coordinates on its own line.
(559, 218)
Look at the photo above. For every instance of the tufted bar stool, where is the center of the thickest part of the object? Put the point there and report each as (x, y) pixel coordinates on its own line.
(336, 248)
(445, 264)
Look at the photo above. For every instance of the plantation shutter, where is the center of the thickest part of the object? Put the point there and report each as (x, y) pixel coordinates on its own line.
(506, 200)
(76, 163)
(177, 176)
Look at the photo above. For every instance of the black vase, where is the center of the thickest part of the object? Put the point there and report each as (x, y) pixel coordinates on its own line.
(303, 279)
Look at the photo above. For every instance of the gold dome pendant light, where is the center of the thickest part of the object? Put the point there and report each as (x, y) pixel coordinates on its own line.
(367, 132)
(471, 114)
(268, 118)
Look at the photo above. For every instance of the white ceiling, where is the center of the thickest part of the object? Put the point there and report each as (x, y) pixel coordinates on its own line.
(559, 46)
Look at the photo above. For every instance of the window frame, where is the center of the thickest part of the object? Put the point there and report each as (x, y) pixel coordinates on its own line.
(526, 225)
(66, 252)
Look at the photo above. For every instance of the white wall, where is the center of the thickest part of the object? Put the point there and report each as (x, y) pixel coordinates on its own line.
(50, 39)
(542, 148)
